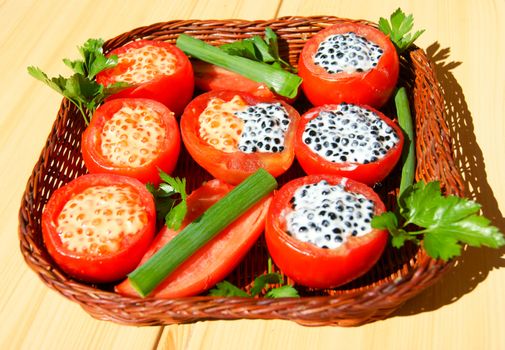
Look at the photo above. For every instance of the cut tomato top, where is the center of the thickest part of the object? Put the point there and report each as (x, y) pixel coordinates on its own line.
(349, 140)
(318, 230)
(156, 70)
(132, 137)
(231, 134)
(98, 226)
(214, 261)
(349, 62)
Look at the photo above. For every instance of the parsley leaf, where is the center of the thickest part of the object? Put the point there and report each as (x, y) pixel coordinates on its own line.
(81, 88)
(259, 49)
(260, 284)
(398, 29)
(446, 222)
(170, 199)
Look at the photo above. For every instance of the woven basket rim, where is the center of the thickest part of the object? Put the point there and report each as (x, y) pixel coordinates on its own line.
(82, 293)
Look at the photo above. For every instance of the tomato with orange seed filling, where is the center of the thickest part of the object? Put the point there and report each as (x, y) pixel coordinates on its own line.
(98, 226)
(156, 70)
(133, 137)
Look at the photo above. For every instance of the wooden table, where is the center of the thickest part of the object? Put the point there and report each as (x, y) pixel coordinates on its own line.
(466, 310)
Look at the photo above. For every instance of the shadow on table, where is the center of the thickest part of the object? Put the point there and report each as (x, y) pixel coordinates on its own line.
(473, 266)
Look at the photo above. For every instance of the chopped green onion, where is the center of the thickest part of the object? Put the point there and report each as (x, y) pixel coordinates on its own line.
(409, 152)
(280, 81)
(147, 277)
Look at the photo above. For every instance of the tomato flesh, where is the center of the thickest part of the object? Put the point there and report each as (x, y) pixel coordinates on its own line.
(214, 261)
(156, 70)
(310, 265)
(132, 137)
(98, 226)
(233, 166)
(372, 87)
(369, 173)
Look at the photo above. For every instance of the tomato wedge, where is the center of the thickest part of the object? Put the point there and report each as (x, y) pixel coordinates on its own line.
(132, 137)
(349, 140)
(156, 70)
(318, 230)
(214, 261)
(231, 134)
(349, 62)
(98, 226)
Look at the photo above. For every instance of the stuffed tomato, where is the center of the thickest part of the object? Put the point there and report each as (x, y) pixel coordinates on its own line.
(155, 70)
(98, 226)
(318, 230)
(133, 137)
(349, 62)
(231, 134)
(215, 260)
(349, 140)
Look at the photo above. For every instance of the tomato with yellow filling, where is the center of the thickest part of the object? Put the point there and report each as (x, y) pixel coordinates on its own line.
(98, 226)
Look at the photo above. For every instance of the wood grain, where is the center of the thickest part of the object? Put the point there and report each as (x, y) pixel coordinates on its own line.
(465, 310)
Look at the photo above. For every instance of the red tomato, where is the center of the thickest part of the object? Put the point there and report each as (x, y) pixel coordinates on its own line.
(214, 261)
(371, 87)
(209, 77)
(233, 166)
(98, 226)
(306, 263)
(132, 137)
(157, 70)
(370, 173)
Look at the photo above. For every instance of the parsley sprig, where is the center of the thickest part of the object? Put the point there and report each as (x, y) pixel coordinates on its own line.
(261, 284)
(170, 199)
(81, 88)
(399, 29)
(445, 222)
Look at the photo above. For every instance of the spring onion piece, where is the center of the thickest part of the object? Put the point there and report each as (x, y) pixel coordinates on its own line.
(147, 277)
(280, 81)
(409, 152)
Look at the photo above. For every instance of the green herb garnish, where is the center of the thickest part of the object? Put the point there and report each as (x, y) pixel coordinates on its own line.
(259, 49)
(398, 29)
(235, 203)
(81, 88)
(170, 199)
(260, 284)
(445, 222)
(278, 80)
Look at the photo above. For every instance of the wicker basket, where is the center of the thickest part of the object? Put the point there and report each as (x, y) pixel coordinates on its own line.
(398, 276)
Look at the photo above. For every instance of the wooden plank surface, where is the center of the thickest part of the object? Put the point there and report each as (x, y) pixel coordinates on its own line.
(465, 310)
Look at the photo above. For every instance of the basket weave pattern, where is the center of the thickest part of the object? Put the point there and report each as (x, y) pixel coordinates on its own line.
(398, 276)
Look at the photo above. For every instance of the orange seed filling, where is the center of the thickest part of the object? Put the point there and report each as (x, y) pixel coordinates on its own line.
(146, 63)
(219, 127)
(132, 136)
(96, 220)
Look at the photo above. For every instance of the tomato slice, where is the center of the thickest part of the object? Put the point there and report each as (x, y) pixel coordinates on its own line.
(156, 70)
(214, 261)
(362, 143)
(330, 78)
(209, 77)
(232, 148)
(132, 137)
(313, 262)
(98, 226)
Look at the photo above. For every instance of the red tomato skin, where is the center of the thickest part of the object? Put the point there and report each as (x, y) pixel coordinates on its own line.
(373, 87)
(166, 160)
(236, 166)
(209, 77)
(174, 91)
(315, 267)
(105, 268)
(368, 174)
(213, 262)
